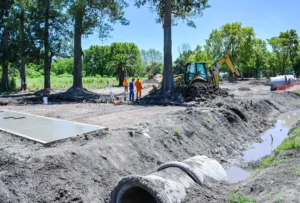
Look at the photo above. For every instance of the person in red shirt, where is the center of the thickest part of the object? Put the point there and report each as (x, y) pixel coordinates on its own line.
(138, 85)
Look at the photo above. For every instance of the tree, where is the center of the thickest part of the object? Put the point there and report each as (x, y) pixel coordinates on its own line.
(121, 53)
(291, 43)
(235, 39)
(179, 63)
(201, 55)
(121, 65)
(281, 52)
(260, 56)
(170, 12)
(5, 7)
(152, 60)
(96, 60)
(50, 27)
(89, 14)
(286, 48)
(297, 66)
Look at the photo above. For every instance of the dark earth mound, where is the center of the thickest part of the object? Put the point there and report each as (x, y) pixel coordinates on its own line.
(201, 92)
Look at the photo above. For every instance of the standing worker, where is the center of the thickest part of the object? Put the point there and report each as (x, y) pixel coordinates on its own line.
(125, 84)
(138, 85)
(131, 89)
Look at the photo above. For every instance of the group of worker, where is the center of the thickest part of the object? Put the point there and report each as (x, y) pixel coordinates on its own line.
(137, 84)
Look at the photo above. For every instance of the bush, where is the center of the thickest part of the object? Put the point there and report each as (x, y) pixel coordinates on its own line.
(13, 84)
(240, 199)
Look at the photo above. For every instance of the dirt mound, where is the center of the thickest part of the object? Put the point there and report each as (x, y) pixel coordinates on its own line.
(201, 92)
(151, 81)
(45, 92)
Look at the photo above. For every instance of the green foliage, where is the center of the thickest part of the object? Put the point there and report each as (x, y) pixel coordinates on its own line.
(12, 83)
(289, 143)
(32, 71)
(206, 120)
(65, 81)
(63, 66)
(179, 64)
(177, 133)
(124, 60)
(286, 50)
(96, 60)
(235, 39)
(279, 200)
(152, 61)
(181, 10)
(240, 199)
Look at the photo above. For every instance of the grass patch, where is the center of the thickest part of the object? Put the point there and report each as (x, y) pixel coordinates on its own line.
(291, 142)
(206, 120)
(240, 199)
(66, 81)
(297, 91)
(279, 200)
(177, 133)
(297, 170)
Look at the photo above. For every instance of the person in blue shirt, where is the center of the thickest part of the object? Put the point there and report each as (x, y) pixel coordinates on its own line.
(131, 90)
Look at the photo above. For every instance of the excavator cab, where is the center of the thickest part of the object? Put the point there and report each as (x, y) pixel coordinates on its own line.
(195, 72)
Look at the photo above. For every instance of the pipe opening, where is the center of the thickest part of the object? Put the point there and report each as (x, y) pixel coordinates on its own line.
(137, 195)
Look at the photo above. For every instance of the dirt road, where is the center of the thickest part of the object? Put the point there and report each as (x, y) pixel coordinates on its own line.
(85, 169)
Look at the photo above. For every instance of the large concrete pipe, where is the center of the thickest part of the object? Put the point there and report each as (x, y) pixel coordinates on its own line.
(169, 183)
(282, 82)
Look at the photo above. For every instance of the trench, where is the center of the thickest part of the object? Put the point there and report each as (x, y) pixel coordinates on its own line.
(271, 139)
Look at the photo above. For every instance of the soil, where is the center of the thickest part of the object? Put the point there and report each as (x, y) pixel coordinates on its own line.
(201, 92)
(276, 183)
(87, 167)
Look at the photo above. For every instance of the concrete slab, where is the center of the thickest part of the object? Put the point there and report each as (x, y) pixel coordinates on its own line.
(42, 129)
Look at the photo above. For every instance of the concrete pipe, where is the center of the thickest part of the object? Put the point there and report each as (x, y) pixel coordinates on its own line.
(169, 183)
(282, 82)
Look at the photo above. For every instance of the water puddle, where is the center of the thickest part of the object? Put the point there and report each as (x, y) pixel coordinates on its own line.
(271, 139)
(236, 174)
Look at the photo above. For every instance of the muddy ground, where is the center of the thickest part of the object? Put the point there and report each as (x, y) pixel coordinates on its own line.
(86, 168)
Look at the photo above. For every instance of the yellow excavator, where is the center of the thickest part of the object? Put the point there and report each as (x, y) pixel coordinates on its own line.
(197, 72)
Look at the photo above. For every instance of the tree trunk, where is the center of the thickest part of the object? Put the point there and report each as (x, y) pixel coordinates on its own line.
(77, 77)
(22, 55)
(168, 78)
(121, 78)
(47, 65)
(5, 81)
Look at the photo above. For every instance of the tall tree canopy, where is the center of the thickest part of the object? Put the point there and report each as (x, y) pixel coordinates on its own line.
(235, 39)
(152, 61)
(50, 27)
(87, 15)
(170, 12)
(286, 48)
(125, 60)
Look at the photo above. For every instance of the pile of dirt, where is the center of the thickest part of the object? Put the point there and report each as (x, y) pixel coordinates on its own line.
(151, 81)
(201, 92)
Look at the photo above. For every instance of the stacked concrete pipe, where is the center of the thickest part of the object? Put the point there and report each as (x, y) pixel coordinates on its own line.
(169, 183)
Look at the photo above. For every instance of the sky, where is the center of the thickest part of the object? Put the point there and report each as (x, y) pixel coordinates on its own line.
(267, 17)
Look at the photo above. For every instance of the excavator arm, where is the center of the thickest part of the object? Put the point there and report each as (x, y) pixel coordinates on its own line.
(215, 68)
